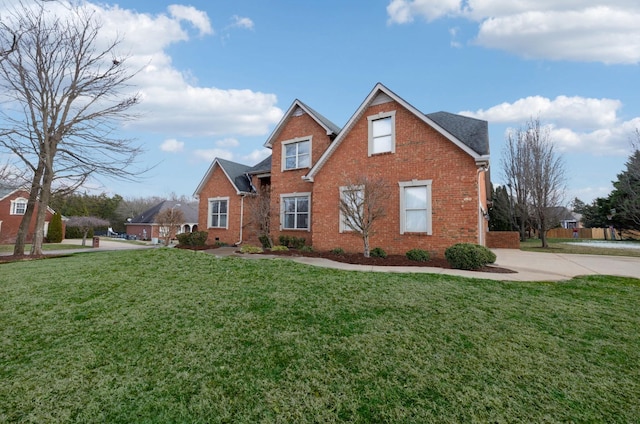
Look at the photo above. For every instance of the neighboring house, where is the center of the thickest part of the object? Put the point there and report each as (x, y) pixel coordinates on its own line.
(13, 205)
(146, 227)
(565, 218)
(435, 166)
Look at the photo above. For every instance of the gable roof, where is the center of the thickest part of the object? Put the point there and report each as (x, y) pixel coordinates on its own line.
(189, 210)
(331, 128)
(263, 167)
(235, 173)
(472, 132)
(468, 134)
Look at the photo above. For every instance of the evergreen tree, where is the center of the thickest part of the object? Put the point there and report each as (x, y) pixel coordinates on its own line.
(54, 234)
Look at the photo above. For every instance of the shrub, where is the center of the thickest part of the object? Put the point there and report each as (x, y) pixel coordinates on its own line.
(279, 249)
(378, 252)
(337, 251)
(220, 244)
(418, 255)
(292, 242)
(265, 241)
(306, 249)
(251, 249)
(195, 238)
(54, 233)
(468, 256)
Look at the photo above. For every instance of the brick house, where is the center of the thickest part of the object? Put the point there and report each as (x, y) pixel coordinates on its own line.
(146, 227)
(13, 205)
(435, 167)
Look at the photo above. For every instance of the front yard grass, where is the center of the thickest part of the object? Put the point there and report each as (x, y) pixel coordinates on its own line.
(168, 335)
(563, 246)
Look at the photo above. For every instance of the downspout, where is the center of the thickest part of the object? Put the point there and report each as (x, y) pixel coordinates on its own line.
(481, 211)
(239, 242)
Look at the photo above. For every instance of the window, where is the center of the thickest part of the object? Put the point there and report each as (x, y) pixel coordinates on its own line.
(295, 211)
(382, 133)
(354, 197)
(19, 206)
(218, 212)
(296, 154)
(415, 207)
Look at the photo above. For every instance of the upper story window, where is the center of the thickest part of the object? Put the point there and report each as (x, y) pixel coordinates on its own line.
(382, 133)
(296, 154)
(415, 207)
(19, 206)
(218, 212)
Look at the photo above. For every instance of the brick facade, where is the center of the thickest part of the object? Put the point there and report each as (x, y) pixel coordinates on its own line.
(9, 223)
(449, 161)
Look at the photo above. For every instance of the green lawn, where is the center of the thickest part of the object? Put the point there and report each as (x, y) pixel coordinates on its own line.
(8, 248)
(167, 335)
(562, 246)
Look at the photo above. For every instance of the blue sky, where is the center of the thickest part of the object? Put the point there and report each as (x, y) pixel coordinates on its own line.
(217, 75)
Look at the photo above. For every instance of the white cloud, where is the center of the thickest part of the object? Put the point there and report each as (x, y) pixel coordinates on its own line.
(228, 142)
(172, 145)
(577, 30)
(241, 22)
(563, 110)
(209, 155)
(256, 156)
(172, 100)
(577, 123)
(197, 18)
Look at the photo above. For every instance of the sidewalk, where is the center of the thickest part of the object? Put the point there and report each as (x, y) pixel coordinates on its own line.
(529, 266)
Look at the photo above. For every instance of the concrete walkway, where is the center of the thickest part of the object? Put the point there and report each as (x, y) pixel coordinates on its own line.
(529, 266)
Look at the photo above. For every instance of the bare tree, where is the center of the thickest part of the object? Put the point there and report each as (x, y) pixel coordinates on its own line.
(260, 213)
(65, 96)
(537, 174)
(86, 223)
(169, 221)
(515, 166)
(362, 202)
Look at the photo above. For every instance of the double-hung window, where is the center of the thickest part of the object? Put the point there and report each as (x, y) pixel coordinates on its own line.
(415, 207)
(19, 206)
(382, 133)
(219, 212)
(351, 207)
(296, 154)
(296, 211)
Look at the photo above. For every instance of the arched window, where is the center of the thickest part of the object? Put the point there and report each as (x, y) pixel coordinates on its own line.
(18, 206)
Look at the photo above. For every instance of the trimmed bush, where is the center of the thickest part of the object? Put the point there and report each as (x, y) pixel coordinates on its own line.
(292, 242)
(265, 241)
(195, 238)
(279, 249)
(306, 249)
(378, 252)
(54, 233)
(418, 255)
(337, 251)
(469, 256)
(251, 249)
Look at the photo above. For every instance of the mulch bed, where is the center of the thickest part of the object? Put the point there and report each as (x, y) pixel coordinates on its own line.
(390, 260)
(359, 259)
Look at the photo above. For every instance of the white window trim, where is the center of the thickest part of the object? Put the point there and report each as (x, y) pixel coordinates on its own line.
(283, 160)
(416, 183)
(382, 115)
(289, 195)
(14, 205)
(217, 199)
(344, 228)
